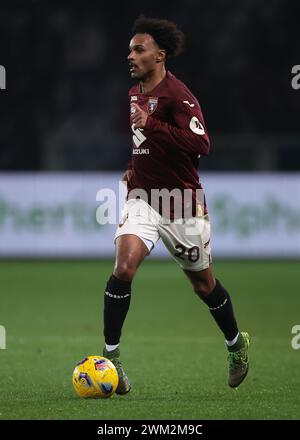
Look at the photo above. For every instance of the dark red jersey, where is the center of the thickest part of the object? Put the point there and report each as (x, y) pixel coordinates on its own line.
(165, 154)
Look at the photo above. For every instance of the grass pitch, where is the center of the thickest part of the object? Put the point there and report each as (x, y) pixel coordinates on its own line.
(171, 348)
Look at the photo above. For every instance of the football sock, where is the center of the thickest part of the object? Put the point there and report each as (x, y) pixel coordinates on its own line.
(237, 343)
(220, 307)
(111, 347)
(116, 304)
(229, 343)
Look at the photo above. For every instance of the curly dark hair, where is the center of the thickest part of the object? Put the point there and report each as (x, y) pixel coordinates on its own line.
(164, 32)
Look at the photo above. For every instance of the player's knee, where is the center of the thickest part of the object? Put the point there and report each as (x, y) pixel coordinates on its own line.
(125, 271)
(202, 288)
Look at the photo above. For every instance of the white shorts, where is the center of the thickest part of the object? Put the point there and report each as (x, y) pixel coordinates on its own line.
(188, 240)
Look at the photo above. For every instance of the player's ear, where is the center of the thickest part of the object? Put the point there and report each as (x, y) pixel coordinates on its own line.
(161, 56)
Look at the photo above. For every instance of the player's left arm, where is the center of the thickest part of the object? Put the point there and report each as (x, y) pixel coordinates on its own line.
(189, 133)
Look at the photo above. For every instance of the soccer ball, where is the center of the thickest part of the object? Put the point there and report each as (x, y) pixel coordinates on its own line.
(95, 376)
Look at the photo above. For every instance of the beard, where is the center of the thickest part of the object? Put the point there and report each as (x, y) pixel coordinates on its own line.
(142, 76)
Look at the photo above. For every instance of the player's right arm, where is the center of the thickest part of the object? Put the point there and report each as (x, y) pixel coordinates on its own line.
(189, 132)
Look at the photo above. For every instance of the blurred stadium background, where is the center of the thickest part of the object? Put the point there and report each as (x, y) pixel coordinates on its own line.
(64, 136)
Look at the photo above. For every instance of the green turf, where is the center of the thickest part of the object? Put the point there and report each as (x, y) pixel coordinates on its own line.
(172, 349)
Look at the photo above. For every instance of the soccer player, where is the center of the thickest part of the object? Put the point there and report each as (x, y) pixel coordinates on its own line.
(168, 137)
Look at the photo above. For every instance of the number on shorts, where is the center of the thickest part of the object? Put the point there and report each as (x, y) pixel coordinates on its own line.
(193, 253)
(181, 251)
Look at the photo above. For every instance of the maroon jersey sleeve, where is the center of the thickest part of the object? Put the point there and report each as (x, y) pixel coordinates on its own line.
(188, 132)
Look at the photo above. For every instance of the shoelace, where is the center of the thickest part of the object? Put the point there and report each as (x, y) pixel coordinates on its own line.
(236, 358)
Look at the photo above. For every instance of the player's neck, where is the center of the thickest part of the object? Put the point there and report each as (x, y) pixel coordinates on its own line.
(152, 81)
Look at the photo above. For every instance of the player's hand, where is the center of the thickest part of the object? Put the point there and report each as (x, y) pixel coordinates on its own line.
(139, 117)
